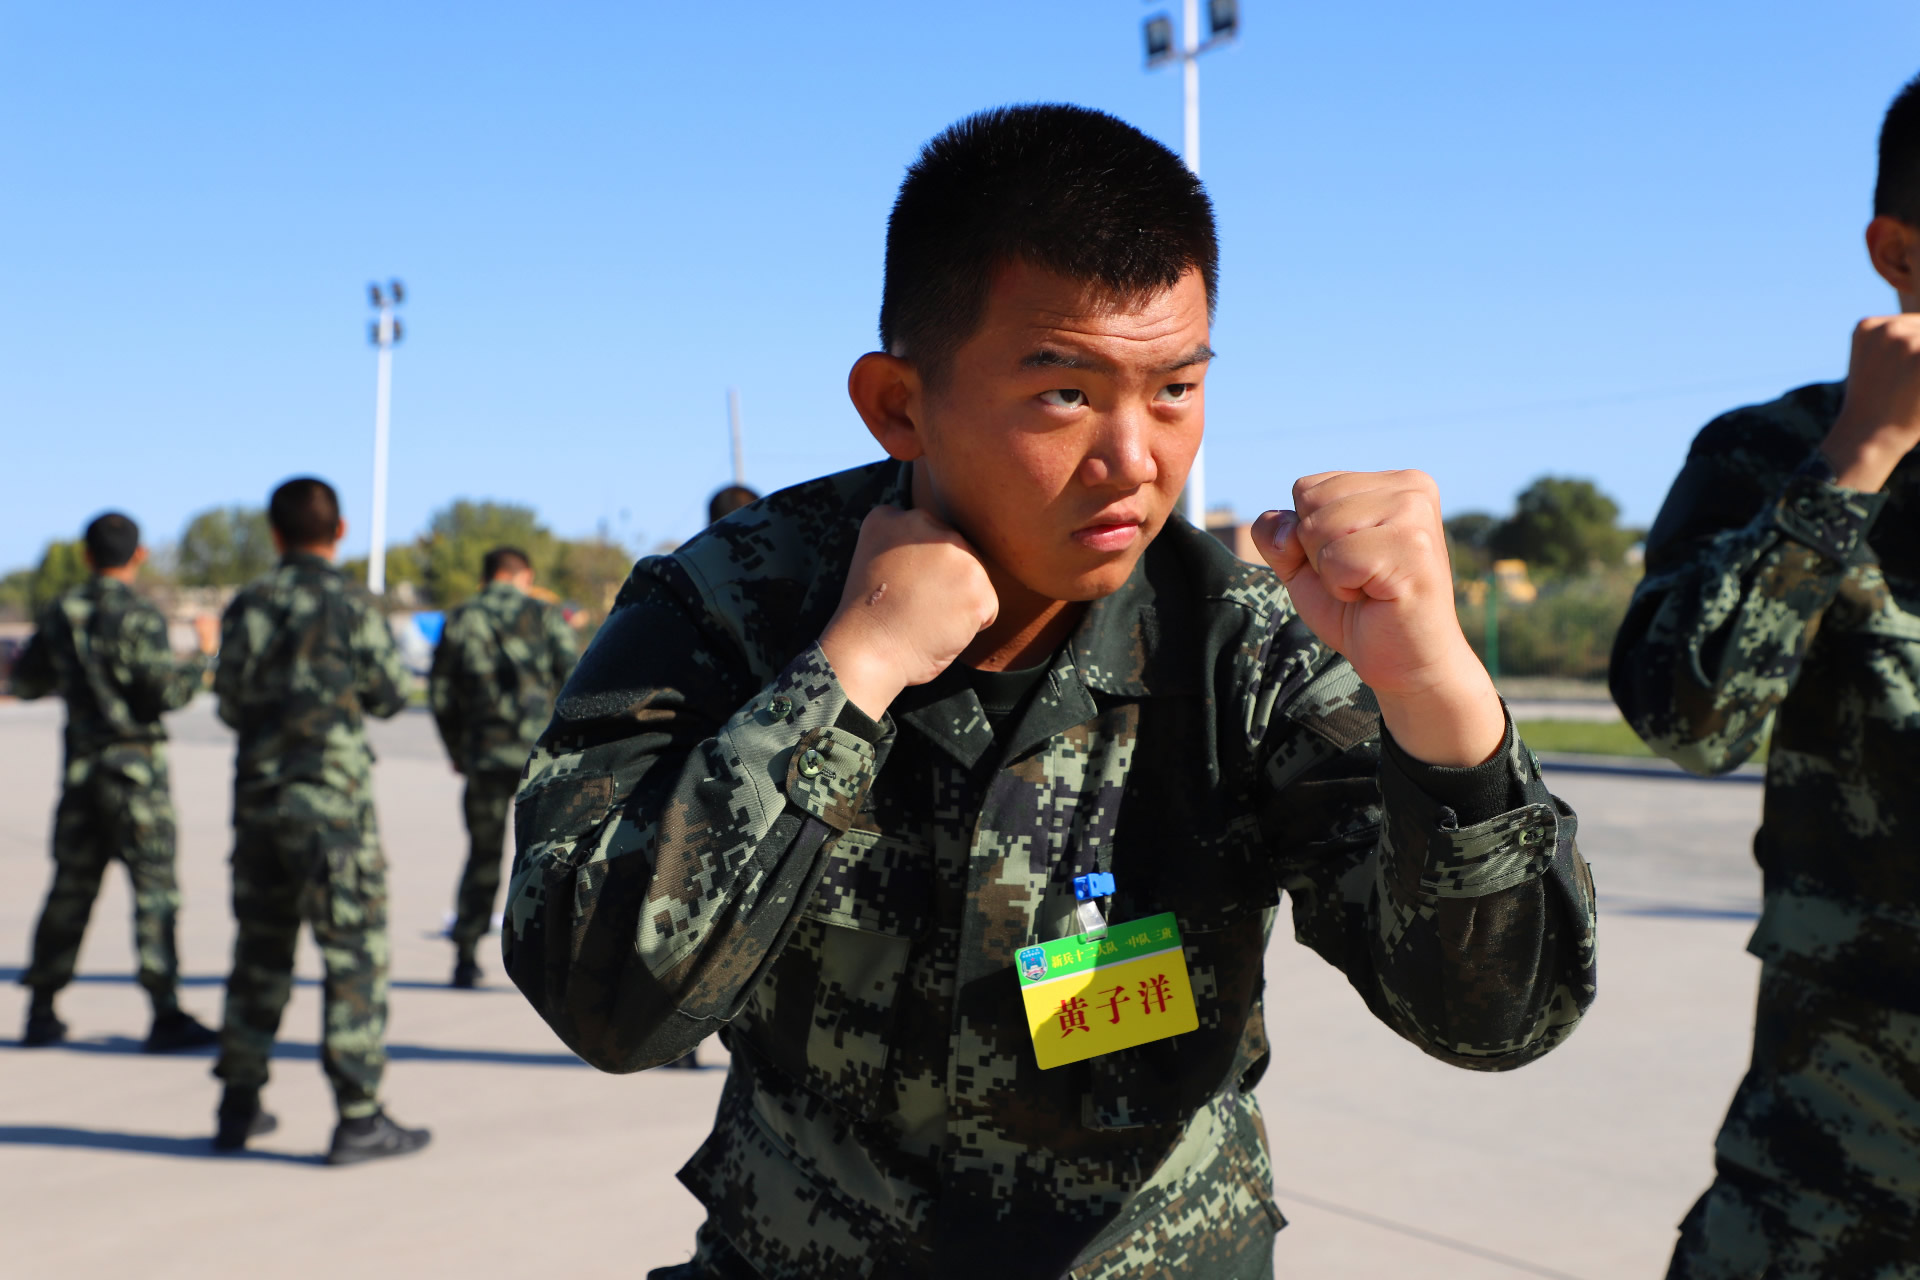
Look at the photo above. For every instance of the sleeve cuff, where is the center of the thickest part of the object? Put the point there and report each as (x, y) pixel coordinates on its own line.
(1818, 513)
(1441, 822)
(801, 741)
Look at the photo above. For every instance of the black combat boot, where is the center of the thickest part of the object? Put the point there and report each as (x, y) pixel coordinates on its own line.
(373, 1137)
(43, 1029)
(240, 1118)
(178, 1030)
(466, 974)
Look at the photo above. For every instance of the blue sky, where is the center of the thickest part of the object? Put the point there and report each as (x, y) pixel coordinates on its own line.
(1488, 239)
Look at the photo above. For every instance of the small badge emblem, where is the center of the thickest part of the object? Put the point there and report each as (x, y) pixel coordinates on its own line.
(1033, 963)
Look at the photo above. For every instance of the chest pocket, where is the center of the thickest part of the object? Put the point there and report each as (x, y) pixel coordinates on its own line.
(829, 1010)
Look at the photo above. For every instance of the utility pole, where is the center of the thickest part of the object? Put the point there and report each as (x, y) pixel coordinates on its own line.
(1223, 24)
(739, 447)
(386, 332)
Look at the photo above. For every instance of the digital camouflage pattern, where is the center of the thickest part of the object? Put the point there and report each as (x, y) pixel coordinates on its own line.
(104, 650)
(302, 661)
(711, 838)
(1773, 597)
(501, 659)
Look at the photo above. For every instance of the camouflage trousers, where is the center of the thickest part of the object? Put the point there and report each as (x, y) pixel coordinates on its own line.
(313, 857)
(488, 800)
(1819, 1158)
(114, 804)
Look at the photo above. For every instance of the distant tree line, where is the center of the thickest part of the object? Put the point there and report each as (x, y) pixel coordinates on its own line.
(230, 546)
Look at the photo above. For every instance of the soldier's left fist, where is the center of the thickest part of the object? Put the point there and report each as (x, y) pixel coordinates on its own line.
(1364, 557)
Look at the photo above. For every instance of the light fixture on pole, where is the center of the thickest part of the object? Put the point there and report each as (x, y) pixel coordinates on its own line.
(1223, 24)
(386, 332)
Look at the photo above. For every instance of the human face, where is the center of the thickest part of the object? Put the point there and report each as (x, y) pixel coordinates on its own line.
(1061, 434)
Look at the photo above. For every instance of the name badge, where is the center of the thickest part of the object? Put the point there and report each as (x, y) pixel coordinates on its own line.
(1088, 996)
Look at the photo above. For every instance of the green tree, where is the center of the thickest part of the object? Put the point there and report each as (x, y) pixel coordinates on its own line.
(62, 565)
(225, 547)
(587, 572)
(1470, 543)
(1562, 525)
(16, 595)
(462, 532)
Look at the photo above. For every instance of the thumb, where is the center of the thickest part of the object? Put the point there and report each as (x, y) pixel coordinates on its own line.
(1276, 536)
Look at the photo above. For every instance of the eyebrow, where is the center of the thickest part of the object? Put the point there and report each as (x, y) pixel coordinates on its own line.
(1054, 358)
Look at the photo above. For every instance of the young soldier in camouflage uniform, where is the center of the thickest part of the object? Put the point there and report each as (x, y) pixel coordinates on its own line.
(1783, 588)
(501, 658)
(104, 650)
(833, 765)
(302, 662)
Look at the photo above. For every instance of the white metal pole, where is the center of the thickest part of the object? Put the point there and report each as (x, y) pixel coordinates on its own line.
(1193, 500)
(739, 447)
(377, 555)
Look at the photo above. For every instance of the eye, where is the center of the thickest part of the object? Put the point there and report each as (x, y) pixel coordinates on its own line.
(1175, 393)
(1064, 398)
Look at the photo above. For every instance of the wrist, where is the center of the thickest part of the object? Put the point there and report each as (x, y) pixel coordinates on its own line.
(866, 677)
(1860, 463)
(1457, 721)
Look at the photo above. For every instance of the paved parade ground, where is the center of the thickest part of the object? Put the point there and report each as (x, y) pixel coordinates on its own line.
(1387, 1163)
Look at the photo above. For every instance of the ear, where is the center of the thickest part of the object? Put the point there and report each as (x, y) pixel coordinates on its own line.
(339, 533)
(279, 543)
(1894, 248)
(888, 393)
(138, 558)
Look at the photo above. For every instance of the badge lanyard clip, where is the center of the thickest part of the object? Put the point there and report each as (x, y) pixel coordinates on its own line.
(1098, 884)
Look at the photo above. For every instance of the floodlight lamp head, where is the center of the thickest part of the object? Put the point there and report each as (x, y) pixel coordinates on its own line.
(373, 333)
(1223, 19)
(1159, 36)
(399, 292)
(373, 291)
(396, 328)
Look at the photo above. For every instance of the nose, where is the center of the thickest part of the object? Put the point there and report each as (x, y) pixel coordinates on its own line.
(1122, 452)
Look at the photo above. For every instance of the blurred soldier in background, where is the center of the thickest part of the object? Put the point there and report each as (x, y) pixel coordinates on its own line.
(729, 500)
(501, 659)
(104, 650)
(302, 662)
(1783, 588)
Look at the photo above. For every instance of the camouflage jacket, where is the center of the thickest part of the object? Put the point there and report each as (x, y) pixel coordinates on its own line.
(104, 649)
(1774, 596)
(499, 663)
(302, 660)
(711, 836)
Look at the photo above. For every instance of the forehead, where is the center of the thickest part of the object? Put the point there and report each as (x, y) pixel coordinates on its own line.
(1028, 305)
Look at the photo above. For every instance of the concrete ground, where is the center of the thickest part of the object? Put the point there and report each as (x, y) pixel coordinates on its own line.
(1387, 1163)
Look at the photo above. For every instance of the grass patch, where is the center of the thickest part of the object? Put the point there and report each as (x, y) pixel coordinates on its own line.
(1583, 737)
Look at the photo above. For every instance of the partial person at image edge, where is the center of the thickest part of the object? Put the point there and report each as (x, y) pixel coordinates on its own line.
(1783, 590)
(830, 765)
(104, 650)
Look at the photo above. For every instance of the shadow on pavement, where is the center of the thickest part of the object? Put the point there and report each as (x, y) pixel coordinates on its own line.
(297, 1051)
(145, 1144)
(220, 980)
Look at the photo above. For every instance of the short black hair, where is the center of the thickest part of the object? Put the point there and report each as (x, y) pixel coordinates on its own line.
(1896, 190)
(729, 500)
(111, 540)
(305, 512)
(1063, 188)
(503, 560)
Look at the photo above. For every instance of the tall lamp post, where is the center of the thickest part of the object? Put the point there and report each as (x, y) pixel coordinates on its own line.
(386, 332)
(1223, 24)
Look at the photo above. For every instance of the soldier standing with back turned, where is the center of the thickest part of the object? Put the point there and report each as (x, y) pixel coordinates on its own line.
(501, 659)
(104, 650)
(302, 663)
(1783, 590)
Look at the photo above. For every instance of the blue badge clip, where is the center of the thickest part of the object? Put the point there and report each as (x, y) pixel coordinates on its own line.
(1097, 885)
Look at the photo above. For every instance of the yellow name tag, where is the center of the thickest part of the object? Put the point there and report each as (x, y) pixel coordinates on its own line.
(1089, 996)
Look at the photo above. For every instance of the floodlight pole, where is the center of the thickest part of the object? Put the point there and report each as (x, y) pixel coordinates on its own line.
(733, 426)
(386, 331)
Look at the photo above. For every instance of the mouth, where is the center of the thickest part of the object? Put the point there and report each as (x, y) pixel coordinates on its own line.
(1110, 534)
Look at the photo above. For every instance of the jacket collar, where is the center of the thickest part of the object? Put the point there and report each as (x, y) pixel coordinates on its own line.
(308, 560)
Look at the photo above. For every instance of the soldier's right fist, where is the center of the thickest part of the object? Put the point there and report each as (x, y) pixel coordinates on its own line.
(916, 596)
(1880, 421)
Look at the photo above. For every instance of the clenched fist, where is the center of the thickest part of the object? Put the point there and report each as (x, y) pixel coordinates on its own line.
(1880, 422)
(916, 596)
(1364, 556)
